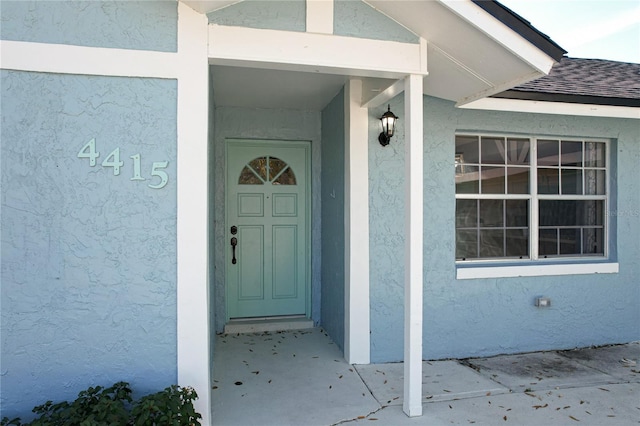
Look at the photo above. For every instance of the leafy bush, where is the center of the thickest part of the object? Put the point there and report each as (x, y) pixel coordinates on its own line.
(114, 406)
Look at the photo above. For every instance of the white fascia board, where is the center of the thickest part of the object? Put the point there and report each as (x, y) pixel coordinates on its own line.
(320, 16)
(502, 34)
(479, 272)
(298, 51)
(557, 108)
(67, 59)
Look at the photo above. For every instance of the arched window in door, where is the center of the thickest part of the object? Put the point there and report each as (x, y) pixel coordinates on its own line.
(267, 169)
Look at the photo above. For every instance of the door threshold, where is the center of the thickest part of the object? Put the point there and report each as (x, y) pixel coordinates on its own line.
(260, 325)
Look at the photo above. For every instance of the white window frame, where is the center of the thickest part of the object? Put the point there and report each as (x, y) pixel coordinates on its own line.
(534, 265)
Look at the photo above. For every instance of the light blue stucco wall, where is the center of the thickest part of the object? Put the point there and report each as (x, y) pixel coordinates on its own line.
(351, 18)
(273, 124)
(333, 219)
(357, 19)
(143, 25)
(464, 318)
(88, 261)
(286, 15)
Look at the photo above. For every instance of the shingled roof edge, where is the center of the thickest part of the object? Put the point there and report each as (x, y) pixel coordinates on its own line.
(522, 27)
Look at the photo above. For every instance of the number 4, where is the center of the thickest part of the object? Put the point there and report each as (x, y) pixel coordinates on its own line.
(164, 178)
(115, 163)
(92, 154)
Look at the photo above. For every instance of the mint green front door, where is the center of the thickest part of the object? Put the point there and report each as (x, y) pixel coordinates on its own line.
(267, 228)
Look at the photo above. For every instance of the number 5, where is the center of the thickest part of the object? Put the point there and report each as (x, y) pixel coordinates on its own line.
(164, 178)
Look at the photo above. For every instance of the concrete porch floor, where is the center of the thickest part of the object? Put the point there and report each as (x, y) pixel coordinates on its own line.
(300, 378)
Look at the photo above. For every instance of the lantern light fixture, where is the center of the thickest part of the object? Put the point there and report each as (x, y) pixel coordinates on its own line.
(388, 121)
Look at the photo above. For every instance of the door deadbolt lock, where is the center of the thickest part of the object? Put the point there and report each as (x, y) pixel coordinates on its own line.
(234, 230)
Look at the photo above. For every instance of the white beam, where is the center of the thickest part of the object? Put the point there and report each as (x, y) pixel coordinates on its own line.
(67, 59)
(413, 110)
(560, 108)
(192, 225)
(320, 16)
(303, 51)
(356, 210)
(385, 96)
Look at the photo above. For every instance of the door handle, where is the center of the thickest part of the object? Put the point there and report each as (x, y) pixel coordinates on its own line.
(234, 243)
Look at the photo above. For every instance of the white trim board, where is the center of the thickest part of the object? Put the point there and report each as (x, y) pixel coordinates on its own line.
(66, 59)
(469, 273)
(559, 108)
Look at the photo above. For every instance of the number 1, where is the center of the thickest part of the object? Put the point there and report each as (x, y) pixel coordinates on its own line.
(136, 168)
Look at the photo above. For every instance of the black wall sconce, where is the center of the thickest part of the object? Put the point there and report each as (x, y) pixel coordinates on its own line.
(388, 121)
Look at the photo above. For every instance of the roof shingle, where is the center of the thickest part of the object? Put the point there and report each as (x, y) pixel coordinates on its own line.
(591, 81)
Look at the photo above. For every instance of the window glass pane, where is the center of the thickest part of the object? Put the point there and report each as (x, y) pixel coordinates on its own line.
(570, 241)
(548, 242)
(572, 181)
(571, 153)
(275, 166)
(286, 178)
(517, 213)
(571, 212)
(467, 149)
(593, 241)
(248, 177)
(517, 180)
(467, 179)
(492, 243)
(492, 151)
(548, 152)
(492, 180)
(260, 166)
(518, 151)
(548, 181)
(491, 213)
(517, 242)
(466, 213)
(466, 244)
(594, 182)
(594, 154)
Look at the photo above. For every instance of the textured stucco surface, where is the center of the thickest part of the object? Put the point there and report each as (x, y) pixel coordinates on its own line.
(333, 219)
(88, 262)
(142, 25)
(386, 237)
(286, 15)
(270, 124)
(357, 19)
(464, 318)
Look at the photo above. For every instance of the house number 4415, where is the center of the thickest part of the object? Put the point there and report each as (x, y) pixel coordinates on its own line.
(113, 160)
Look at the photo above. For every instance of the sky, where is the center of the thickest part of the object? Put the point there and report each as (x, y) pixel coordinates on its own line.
(599, 29)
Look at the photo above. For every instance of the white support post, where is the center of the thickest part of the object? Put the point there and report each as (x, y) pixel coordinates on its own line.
(413, 107)
(356, 233)
(193, 307)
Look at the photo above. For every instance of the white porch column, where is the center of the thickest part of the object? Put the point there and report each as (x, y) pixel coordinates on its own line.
(192, 225)
(356, 224)
(413, 106)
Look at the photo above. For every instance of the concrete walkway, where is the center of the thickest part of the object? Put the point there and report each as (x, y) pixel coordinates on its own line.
(301, 378)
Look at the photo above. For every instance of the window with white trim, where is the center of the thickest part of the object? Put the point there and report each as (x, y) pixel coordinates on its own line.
(530, 198)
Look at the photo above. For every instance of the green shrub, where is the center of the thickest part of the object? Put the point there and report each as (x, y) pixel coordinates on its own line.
(114, 406)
